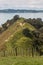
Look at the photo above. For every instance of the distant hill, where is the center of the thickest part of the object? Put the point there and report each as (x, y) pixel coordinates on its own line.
(20, 11)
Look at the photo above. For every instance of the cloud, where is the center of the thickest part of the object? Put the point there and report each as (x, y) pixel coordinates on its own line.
(21, 3)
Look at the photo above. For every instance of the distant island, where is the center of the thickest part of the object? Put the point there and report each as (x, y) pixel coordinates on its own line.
(20, 11)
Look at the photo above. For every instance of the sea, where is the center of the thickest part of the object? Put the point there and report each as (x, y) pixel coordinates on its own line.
(7, 16)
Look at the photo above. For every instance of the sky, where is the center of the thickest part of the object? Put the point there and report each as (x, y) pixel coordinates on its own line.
(21, 4)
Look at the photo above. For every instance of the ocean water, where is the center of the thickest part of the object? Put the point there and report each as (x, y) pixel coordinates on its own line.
(5, 16)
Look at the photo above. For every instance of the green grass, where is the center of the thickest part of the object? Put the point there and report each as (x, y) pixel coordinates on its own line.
(21, 61)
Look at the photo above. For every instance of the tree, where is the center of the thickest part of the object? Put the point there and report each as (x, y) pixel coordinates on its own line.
(0, 29)
(16, 17)
(13, 45)
(28, 34)
(24, 43)
(4, 26)
(3, 49)
(37, 42)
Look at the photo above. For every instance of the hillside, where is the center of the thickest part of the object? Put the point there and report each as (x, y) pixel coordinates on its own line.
(20, 11)
(13, 28)
(18, 36)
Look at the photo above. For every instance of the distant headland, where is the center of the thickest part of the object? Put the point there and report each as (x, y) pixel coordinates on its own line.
(20, 11)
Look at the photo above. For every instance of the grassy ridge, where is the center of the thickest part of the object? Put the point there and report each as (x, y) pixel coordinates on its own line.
(12, 29)
(13, 38)
(21, 61)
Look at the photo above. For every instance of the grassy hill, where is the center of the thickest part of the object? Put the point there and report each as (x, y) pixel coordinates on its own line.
(20, 37)
(14, 28)
(21, 42)
(14, 33)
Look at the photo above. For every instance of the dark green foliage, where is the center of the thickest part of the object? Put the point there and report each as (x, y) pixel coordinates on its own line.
(36, 33)
(16, 17)
(38, 23)
(9, 23)
(27, 33)
(0, 29)
(4, 26)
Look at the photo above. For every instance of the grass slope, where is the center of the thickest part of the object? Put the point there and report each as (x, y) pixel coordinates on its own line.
(21, 61)
(14, 28)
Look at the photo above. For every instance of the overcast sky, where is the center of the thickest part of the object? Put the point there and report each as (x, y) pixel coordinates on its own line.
(26, 4)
